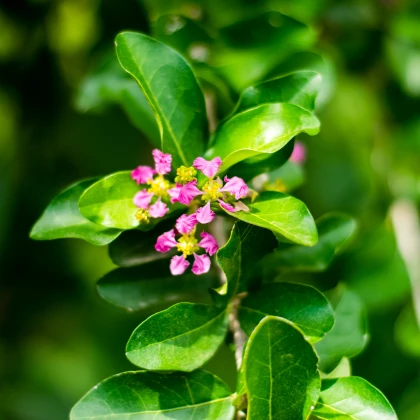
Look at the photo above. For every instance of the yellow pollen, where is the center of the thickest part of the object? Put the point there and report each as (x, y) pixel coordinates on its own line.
(142, 216)
(211, 191)
(187, 245)
(158, 186)
(185, 175)
(277, 185)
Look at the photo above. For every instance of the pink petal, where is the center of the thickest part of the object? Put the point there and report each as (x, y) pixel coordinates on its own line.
(142, 199)
(205, 214)
(142, 173)
(208, 167)
(174, 193)
(188, 192)
(299, 153)
(166, 241)
(236, 186)
(162, 162)
(158, 209)
(201, 264)
(178, 265)
(185, 224)
(228, 206)
(208, 243)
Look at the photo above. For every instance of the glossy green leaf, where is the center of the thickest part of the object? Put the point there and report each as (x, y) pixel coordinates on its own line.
(286, 178)
(303, 305)
(264, 129)
(348, 337)
(153, 396)
(352, 398)
(170, 86)
(62, 219)
(299, 88)
(182, 337)
(281, 373)
(265, 162)
(284, 215)
(343, 369)
(334, 233)
(109, 201)
(110, 84)
(238, 258)
(151, 285)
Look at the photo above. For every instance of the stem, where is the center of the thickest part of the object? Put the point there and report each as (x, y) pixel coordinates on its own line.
(239, 337)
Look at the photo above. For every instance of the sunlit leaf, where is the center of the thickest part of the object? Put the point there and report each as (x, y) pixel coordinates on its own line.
(153, 396)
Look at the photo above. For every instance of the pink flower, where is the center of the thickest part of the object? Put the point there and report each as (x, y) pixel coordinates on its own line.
(162, 162)
(158, 209)
(228, 206)
(178, 265)
(299, 153)
(142, 199)
(236, 186)
(205, 214)
(201, 264)
(174, 193)
(185, 223)
(208, 167)
(208, 243)
(142, 173)
(166, 241)
(188, 192)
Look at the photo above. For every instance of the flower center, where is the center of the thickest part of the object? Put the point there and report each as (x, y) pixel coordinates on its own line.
(211, 191)
(185, 174)
(187, 245)
(158, 186)
(142, 216)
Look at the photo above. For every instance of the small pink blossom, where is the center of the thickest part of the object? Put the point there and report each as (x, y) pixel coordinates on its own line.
(178, 265)
(236, 186)
(166, 241)
(185, 224)
(201, 264)
(299, 153)
(174, 193)
(208, 243)
(142, 173)
(158, 209)
(208, 167)
(142, 199)
(205, 214)
(228, 206)
(188, 191)
(162, 162)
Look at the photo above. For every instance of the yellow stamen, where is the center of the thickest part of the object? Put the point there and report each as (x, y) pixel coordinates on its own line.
(185, 175)
(277, 185)
(187, 245)
(158, 186)
(211, 191)
(142, 216)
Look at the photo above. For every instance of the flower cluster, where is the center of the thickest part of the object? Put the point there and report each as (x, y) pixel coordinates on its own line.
(153, 202)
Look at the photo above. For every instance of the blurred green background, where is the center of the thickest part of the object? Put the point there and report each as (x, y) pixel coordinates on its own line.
(58, 338)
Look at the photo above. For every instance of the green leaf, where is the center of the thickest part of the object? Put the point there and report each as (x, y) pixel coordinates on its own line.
(303, 305)
(152, 396)
(343, 369)
(265, 162)
(246, 246)
(62, 219)
(151, 285)
(281, 373)
(264, 129)
(352, 398)
(334, 231)
(283, 214)
(299, 88)
(348, 337)
(286, 178)
(183, 337)
(170, 86)
(109, 201)
(110, 84)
